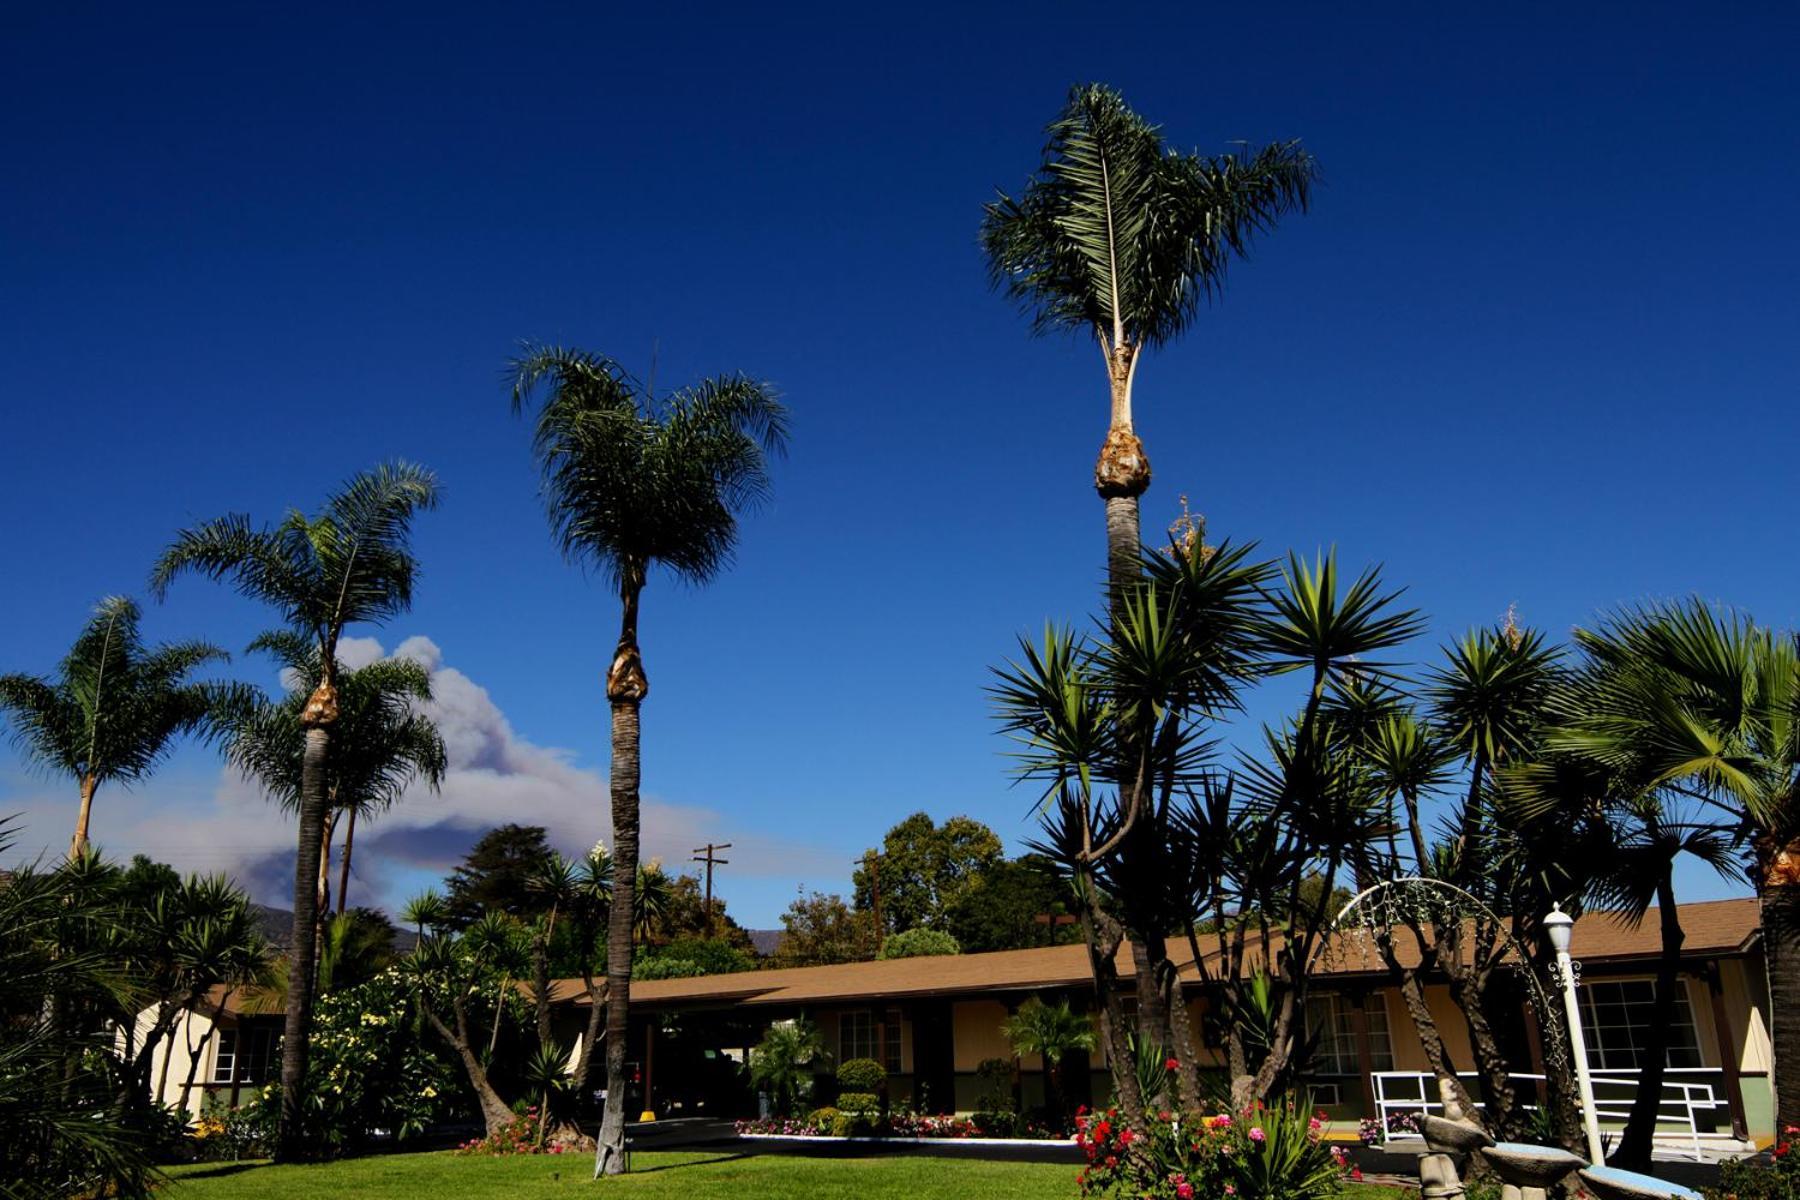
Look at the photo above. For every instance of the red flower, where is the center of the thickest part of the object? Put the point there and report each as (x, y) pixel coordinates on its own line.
(1173, 1064)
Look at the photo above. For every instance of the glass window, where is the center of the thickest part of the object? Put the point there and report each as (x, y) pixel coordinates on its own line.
(1616, 1016)
(860, 1035)
(246, 1052)
(856, 1036)
(1331, 1025)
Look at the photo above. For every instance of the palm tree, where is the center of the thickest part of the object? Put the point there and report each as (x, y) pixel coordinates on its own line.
(1704, 707)
(631, 481)
(116, 706)
(350, 563)
(1050, 1031)
(381, 744)
(1123, 237)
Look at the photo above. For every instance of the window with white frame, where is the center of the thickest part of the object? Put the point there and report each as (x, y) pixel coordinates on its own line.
(1331, 1024)
(244, 1055)
(1617, 1015)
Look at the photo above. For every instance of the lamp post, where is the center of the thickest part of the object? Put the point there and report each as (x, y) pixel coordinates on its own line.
(1559, 927)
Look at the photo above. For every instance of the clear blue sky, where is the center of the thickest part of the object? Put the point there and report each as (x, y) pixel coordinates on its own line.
(1536, 344)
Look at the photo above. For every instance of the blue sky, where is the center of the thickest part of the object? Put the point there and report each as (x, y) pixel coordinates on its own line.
(1534, 345)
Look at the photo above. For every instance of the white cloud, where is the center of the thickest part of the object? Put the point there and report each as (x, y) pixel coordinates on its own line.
(495, 776)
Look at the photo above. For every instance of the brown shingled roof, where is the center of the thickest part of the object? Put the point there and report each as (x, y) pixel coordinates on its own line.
(1715, 929)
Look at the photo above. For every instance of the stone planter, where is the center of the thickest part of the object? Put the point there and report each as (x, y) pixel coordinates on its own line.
(1528, 1172)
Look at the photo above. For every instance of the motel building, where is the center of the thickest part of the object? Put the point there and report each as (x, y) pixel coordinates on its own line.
(934, 1023)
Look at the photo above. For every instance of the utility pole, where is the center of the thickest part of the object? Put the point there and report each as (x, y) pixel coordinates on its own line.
(705, 854)
(871, 861)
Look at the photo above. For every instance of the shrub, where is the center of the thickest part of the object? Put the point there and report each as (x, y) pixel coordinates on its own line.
(1265, 1153)
(858, 1102)
(861, 1075)
(822, 1119)
(995, 1076)
(853, 1124)
(918, 943)
(1753, 1179)
(1373, 1133)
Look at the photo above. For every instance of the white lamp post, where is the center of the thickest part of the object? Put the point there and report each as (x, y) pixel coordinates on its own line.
(1559, 927)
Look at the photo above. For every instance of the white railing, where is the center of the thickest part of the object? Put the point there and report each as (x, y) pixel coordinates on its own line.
(1688, 1095)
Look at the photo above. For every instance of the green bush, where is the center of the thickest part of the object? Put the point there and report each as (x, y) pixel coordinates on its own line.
(918, 943)
(861, 1075)
(1750, 1179)
(859, 1102)
(853, 1124)
(822, 1119)
(995, 1076)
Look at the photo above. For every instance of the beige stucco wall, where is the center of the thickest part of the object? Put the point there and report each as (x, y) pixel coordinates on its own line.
(976, 1025)
(176, 1054)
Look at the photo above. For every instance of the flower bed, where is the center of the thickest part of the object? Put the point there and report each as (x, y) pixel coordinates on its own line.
(1263, 1153)
(830, 1123)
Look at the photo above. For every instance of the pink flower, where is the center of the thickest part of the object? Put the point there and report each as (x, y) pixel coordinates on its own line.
(1231, 1189)
(1257, 1134)
(1185, 1190)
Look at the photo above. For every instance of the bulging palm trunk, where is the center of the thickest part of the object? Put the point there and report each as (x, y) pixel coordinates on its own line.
(78, 844)
(318, 717)
(1780, 902)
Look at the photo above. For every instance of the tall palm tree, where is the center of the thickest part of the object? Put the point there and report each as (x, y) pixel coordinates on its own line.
(1704, 706)
(381, 744)
(1121, 236)
(352, 562)
(115, 707)
(631, 481)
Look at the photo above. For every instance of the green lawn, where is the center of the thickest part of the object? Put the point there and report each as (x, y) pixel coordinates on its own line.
(691, 1175)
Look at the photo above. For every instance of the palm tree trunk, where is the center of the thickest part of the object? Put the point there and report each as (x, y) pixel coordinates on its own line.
(321, 711)
(79, 843)
(344, 870)
(626, 687)
(1640, 1128)
(1780, 903)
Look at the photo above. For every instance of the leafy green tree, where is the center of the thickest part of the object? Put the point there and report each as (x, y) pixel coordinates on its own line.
(631, 481)
(1012, 905)
(498, 873)
(918, 943)
(924, 869)
(115, 707)
(351, 563)
(691, 956)
(1051, 1031)
(818, 930)
(358, 945)
(685, 916)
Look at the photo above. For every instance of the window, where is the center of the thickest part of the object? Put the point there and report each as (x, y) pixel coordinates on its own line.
(247, 1052)
(860, 1035)
(856, 1036)
(1331, 1024)
(1616, 1016)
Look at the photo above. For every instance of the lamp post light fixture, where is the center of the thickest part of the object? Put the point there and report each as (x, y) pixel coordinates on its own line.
(1559, 927)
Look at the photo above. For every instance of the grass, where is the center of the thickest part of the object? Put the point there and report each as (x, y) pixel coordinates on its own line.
(669, 1175)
